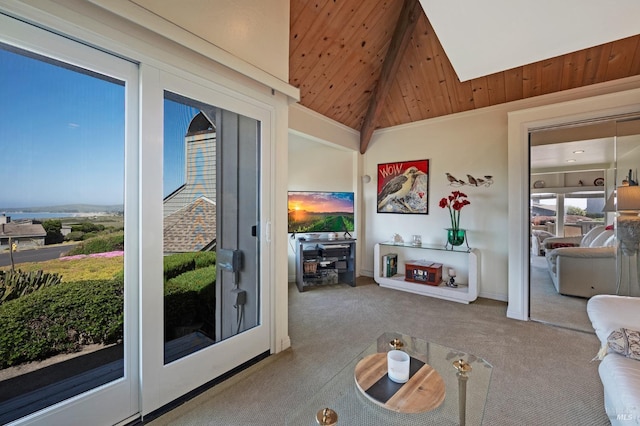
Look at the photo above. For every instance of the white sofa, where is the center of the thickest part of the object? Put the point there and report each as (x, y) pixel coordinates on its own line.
(585, 240)
(583, 266)
(537, 241)
(619, 374)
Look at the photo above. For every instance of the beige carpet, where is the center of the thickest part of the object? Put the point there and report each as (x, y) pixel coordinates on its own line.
(548, 306)
(542, 375)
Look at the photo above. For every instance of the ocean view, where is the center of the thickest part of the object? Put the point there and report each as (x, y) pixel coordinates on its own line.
(40, 215)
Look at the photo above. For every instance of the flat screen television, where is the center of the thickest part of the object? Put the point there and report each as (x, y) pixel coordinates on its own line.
(320, 211)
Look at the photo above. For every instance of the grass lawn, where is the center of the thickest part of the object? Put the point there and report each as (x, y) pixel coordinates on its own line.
(107, 220)
(87, 268)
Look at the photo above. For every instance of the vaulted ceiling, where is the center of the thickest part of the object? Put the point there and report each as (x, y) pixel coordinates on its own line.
(372, 64)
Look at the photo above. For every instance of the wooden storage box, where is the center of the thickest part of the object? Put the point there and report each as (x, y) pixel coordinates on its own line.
(310, 266)
(423, 272)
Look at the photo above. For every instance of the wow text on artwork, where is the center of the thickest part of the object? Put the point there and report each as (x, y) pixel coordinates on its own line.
(390, 169)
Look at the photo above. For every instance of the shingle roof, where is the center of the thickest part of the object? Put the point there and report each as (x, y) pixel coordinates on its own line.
(22, 230)
(192, 228)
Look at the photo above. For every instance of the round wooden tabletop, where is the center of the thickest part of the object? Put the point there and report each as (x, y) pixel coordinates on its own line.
(423, 392)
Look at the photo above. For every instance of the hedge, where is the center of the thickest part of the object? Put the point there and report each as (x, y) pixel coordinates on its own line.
(190, 299)
(60, 319)
(177, 264)
(104, 244)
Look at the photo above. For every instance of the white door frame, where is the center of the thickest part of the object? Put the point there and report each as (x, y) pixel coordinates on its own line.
(118, 400)
(520, 124)
(162, 383)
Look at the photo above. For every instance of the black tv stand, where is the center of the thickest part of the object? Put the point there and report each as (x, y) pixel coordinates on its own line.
(324, 261)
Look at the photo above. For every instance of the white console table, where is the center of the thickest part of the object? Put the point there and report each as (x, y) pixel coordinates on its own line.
(465, 262)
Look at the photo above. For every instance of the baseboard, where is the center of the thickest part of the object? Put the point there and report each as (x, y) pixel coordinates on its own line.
(366, 273)
(494, 296)
(284, 344)
(516, 314)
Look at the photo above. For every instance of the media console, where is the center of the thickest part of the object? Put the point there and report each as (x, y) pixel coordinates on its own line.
(323, 261)
(464, 261)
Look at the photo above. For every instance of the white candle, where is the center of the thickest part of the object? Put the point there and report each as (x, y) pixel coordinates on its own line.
(398, 366)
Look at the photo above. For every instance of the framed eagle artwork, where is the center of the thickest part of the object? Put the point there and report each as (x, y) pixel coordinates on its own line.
(403, 187)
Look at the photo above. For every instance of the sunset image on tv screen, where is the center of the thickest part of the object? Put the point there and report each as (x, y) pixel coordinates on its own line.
(314, 211)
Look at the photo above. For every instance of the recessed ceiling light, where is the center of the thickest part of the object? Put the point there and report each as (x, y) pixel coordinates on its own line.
(580, 151)
(571, 160)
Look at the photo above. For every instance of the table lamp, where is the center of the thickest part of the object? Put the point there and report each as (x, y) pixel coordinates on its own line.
(610, 204)
(628, 221)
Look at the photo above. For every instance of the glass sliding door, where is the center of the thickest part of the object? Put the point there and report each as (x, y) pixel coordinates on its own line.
(572, 170)
(210, 184)
(213, 312)
(627, 206)
(67, 307)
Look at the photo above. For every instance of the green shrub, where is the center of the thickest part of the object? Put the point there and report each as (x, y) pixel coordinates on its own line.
(60, 319)
(101, 244)
(574, 210)
(205, 258)
(190, 299)
(176, 264)
(179, 263)
(87, 227)
(15, 284)
(53, 228)
(74, 236)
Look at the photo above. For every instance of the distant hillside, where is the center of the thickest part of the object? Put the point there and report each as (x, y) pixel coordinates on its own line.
(67, 208)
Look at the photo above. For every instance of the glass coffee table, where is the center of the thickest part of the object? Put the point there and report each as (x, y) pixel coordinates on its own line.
(356, 401)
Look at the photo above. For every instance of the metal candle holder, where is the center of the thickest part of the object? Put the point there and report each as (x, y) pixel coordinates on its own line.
(327, 417)
(463, 368)
(396, 343)
(452, 278)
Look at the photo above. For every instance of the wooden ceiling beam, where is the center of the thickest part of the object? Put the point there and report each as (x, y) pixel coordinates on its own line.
(411, 11)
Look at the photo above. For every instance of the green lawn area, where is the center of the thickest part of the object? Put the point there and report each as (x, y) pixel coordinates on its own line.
(88, 268)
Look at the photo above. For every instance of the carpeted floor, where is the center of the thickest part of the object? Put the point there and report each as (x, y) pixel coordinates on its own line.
(542, 375)
(548, 306)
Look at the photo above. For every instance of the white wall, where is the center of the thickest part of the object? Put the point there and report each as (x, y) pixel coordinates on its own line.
(315, 166)
(319, 128)
(318, 166)
(254, 30)
(324, 155)
(250, 37)
(474, 142)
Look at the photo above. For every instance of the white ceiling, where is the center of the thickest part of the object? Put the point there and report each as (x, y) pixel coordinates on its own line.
(557, 155)
(485, 37)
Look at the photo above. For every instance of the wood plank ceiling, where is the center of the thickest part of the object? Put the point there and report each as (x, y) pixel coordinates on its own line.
(338, 47)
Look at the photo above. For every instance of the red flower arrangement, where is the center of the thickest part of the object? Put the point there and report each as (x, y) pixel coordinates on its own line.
(455, 202)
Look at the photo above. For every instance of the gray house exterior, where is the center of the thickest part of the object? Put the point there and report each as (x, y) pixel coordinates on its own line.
(190, 210)
(25, 234)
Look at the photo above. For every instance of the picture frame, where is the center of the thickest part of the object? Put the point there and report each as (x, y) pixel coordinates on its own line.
(403, 187)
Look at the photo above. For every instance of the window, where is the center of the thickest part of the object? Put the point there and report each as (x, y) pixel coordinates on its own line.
(62, 138)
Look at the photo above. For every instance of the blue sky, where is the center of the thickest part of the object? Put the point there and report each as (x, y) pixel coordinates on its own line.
(62, 136)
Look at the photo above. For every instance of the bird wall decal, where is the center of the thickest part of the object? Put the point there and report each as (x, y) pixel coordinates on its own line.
(486, 180)
(472, 180)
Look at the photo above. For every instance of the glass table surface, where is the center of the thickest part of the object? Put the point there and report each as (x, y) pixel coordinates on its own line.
(341, 394)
